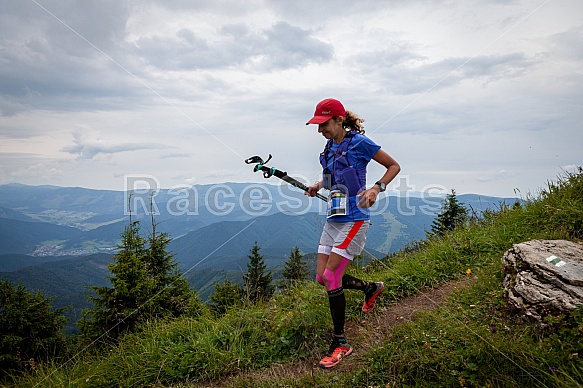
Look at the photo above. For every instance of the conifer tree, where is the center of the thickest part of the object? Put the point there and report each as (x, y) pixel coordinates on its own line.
(145, 285)
(174, 296)
(118, 308)
(257, 282)
(30, 329)
(453, 214)
(227, 294)
(295, 269)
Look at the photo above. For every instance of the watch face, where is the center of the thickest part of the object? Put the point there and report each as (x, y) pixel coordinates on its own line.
(382, 185)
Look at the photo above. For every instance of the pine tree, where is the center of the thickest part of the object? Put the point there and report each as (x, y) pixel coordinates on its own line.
(118, 308)
(257, 282)
(226, 295)
(145, 285)
(30, 329)
(174, 296)
(295, 269)
(453, 214)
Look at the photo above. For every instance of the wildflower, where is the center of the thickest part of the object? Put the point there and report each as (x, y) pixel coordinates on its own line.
(468, 271)
(493, 329)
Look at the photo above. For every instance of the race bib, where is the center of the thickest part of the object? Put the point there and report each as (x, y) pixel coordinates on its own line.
(337, 204)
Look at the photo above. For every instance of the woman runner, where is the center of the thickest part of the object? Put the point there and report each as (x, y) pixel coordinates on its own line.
(344, 161)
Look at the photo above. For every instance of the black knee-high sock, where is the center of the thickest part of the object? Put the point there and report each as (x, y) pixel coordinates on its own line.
(352, 283)
(337, 301)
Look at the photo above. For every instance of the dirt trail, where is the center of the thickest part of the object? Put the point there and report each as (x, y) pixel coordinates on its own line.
(363, 335)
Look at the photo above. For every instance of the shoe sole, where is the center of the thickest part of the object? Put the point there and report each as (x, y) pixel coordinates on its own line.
(328, 366)
(373, 297)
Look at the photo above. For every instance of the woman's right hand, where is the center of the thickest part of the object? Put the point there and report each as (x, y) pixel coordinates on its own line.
(313, 189)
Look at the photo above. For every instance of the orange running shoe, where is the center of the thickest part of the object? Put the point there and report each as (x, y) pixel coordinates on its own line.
(338, 350)
(370, 298)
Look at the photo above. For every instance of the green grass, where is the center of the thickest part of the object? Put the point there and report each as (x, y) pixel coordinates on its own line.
(472, 340)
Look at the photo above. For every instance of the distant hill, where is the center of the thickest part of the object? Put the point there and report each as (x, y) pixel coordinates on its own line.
(38, 199)
(89, 208)
(14, 262)
(26, 237)
(14, 215)
(66, 281)
(232, 240)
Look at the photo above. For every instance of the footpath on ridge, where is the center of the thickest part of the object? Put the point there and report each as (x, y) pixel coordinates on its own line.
(363, 334)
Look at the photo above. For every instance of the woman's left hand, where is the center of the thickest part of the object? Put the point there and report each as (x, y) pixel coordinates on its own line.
(367, 198)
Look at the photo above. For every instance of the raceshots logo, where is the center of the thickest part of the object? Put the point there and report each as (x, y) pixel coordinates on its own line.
(144, 195)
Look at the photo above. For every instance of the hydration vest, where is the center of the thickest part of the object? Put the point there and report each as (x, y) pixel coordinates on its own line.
(339, 172)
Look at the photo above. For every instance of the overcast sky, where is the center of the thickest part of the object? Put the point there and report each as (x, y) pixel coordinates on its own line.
(479, 96)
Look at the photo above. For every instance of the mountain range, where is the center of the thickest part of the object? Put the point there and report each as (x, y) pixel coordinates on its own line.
(60, 239)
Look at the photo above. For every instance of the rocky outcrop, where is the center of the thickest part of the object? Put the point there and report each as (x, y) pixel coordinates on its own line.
(544, 277)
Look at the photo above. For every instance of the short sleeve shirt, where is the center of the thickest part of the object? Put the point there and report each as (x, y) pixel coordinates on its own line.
(360, 153)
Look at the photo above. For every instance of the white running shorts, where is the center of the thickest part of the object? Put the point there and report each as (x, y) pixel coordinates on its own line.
(345, 238)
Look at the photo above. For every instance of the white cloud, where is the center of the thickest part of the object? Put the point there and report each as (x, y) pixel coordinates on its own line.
(89, 144)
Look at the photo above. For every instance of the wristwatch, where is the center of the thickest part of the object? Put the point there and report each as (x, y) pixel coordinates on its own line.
(382, 185)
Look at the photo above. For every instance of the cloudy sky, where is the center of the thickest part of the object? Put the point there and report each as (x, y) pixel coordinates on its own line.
(482, 96)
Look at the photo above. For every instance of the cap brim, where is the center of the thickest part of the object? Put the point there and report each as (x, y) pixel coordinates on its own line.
(318, 119)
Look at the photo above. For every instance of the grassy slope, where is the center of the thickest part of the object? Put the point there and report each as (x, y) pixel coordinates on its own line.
(470, 341)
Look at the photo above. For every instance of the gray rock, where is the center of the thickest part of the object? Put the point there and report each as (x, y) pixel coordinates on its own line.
(544, 277)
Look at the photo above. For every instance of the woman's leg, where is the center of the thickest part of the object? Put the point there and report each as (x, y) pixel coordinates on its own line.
(349, 282)
(371, 290)
(335, 268)
(331, 267)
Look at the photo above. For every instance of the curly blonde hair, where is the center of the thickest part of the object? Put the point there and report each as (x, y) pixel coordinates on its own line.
(353, 123)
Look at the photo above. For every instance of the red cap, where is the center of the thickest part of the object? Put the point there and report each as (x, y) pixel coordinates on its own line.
(326, 109)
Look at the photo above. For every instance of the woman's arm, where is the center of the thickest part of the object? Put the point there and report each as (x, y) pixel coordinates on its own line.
(369, 197)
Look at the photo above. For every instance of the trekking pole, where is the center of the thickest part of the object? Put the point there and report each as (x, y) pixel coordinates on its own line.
(268, 172)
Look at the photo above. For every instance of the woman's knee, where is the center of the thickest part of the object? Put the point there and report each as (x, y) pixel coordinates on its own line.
(333, 279)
